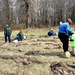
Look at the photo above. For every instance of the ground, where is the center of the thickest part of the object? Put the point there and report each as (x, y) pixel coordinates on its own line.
(32, 56)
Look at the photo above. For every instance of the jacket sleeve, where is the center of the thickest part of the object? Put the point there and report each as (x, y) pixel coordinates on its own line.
(69, 31)
(11, 30)
(18, 34)
(5, 30)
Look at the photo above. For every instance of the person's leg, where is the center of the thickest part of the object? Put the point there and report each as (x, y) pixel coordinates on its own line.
(5, 36)
(65, 43)
(9, 38)
(65, 40)
(17, 38)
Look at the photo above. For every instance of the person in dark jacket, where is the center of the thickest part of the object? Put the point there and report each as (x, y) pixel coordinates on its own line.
(51, 32)
(20, 36)
(7, 33)
(64, 33)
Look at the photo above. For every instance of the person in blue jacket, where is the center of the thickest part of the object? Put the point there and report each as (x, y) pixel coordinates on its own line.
(51, 32)
(64, 33)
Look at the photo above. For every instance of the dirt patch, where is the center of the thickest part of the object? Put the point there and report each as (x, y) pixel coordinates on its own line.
(37, 44)
(7, 73)
(19, 71)
(49, 52)
(32, 52)
(60, 68)
(42, 36)
(21, 59)
(5, 46)
(48, 48)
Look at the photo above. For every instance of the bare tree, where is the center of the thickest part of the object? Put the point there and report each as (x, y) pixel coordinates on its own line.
(36, 13)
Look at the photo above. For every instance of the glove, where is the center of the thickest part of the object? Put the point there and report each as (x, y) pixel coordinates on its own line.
(71, 40)
(71, 34)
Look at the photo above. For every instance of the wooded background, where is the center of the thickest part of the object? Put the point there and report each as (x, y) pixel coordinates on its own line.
(36, 13)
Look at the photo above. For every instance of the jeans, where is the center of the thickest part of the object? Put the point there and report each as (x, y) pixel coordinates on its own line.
(9, 38)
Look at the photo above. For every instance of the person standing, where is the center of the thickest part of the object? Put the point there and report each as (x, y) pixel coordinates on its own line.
(64, 33)
(7, 33)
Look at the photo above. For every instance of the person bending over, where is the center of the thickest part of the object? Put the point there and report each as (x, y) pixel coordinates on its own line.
(64, 33)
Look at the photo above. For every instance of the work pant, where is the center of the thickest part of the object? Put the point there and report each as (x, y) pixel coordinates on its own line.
(65, 41)
(8, 37)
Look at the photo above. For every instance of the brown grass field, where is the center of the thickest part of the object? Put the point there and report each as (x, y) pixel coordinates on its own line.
(32, 56)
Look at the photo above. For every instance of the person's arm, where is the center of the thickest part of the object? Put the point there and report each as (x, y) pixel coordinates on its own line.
(18, 34)
(69, 30)
(21, 36)
(10, 30)
(4, 30)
